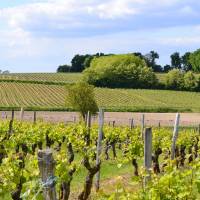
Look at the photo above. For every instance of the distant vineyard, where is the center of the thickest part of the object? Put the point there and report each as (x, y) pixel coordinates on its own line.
(42, 77)
(52, 97)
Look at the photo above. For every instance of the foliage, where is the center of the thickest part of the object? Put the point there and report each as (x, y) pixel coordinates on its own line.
(130, 72)
(167, 68)
(190, 81)
(176, 60)
(194, 60)
(81, 97)
(186, 66)
(173, 183)
(64, 68)
(174, 79)
(179, 80)
(150, 59)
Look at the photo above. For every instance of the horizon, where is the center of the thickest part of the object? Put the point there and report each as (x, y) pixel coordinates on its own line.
(38, 35)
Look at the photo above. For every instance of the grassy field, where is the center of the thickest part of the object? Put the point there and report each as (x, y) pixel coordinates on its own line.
(52, 97)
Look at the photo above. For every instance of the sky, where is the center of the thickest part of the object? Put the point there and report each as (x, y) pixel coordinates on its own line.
(39, 35)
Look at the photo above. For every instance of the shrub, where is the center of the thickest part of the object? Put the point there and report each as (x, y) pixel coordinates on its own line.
(190, 81)
(174, 79)
(120, 71)
(81, 97)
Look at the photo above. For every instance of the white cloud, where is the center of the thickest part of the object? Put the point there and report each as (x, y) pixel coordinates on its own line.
(63, 13)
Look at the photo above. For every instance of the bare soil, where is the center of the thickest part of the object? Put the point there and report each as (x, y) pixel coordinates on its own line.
(118, 118)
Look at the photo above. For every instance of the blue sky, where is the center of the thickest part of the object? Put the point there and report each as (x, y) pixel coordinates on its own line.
(38, 35)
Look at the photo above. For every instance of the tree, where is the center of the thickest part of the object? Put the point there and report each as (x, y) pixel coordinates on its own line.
(150, 59)
(81, 97)
(174, 79)
(190, 81)
(186, 62)
(88, 61)
(120, 71)
(78, 63)
(176, 60)
(194, 60)
(63, 68)
(167, 68)
(138, 54)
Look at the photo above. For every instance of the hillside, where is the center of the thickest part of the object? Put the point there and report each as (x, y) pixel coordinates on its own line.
(52, 97)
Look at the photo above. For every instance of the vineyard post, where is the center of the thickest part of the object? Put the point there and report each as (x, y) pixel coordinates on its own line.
(46, 166)
(13, 115)
(100, 137)
(34, 117)
(74, 119)
(147, 152)
(142, 125)
(175, 135)
(159, 124)
(11, 123)
(88, 125)
(199, 129)
(132, 124)
(21, 114)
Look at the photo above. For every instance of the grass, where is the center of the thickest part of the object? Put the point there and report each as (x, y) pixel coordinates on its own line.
(53, 97)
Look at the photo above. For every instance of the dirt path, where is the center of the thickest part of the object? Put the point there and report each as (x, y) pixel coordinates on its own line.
(120, 118)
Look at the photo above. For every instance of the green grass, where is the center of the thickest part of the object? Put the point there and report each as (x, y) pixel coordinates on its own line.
(52, 97)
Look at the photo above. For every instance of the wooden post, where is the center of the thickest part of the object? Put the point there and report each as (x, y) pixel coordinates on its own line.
(10, 130)
(46, 166)
(159, 124)
(34, 117)
(199, 129)
(113, 124)
(147, 152)
(175, 135)
(88, 125)
(13, 115)
(21, 114)
(132, 124)
(142, 125)
(74, 119)
(99, 146)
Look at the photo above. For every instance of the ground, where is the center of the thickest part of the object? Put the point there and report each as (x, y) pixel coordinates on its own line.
(120, 118)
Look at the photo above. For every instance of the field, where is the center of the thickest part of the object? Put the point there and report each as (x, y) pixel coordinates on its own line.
(42, 77)
(121, 166)
(53, 97)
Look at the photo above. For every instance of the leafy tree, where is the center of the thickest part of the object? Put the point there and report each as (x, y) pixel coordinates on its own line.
(186, 62)
(194, 60)
(176, 60)
(64, 68)
(88, 61)
(120, 71)
(78, 63)
(190, 81)
(167, 68)
(81, 97)
(138, 54)
(150, 59)
(174, 79)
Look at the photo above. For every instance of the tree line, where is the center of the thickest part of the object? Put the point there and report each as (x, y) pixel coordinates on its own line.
(190, 61)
